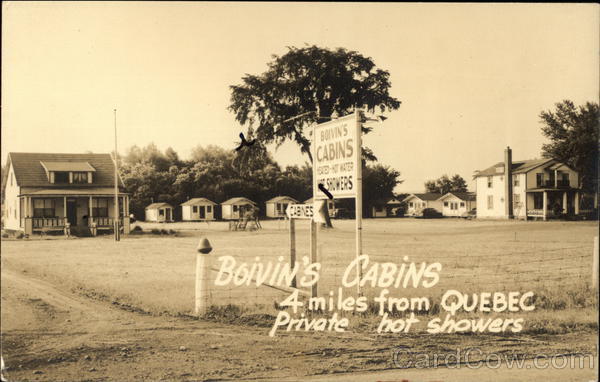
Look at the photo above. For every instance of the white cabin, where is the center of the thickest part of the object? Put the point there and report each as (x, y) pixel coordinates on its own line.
(198, 209)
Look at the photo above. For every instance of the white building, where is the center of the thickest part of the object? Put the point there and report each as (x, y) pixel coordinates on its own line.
(276, 207)
(159, 212)
(386, 208)
(198, 209)
(234, 208)
(416, 203)
(534, 188)
(456, 204)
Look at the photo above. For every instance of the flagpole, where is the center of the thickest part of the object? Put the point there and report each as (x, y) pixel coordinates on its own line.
(116, 212)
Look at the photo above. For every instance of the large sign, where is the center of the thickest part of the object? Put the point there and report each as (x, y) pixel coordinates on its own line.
(336, 156)
(299, 211)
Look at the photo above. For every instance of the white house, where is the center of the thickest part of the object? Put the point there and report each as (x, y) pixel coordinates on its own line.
(234, 208)
(198, 209)
(416, 203)
(43, 192)
(526, 189)
(386, 208)
(330, 205)
(457, 204)
(159, 212)
(276, 207)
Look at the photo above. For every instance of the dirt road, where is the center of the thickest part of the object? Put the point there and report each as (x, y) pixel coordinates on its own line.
(52, 334)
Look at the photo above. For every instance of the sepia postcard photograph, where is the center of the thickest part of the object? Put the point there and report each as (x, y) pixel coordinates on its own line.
(312, 191)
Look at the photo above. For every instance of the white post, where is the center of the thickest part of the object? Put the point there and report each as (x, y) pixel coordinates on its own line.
(203, 266)
(358, 199)
(576, 203)
(565, 202)
(595, 265)
(545, 206)
(65, 210)
(293, 247)
(313, 251)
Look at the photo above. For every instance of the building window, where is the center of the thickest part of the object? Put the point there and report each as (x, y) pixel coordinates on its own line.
(278, 207)
(195, 209)
(539, 179)
(235, 208)
(490, 181)
(516, 180)
(100, 207)
(61, 177)
(564, 179)
(490, 202)
(80, 177)
(161, 212)
(538, 201)
(462, 204)
(43, 208)
(410, 204)
(208, 208)
(445, 204)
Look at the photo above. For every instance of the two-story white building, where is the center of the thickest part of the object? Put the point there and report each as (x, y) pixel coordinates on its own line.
(44, 192)
(536, 188)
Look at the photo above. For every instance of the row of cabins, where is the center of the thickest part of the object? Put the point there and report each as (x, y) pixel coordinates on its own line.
(452, 204)
(199, 209)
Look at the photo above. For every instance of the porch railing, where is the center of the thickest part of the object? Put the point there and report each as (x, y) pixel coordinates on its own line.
(535, 213)
(47, 222)
(104, 221)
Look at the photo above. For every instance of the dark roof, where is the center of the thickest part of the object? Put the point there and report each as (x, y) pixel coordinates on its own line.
(426, 196)
(466, 196)
(239, 200)
(280, 199)
(29, 171)
(158, 205)
(517, 167)
(67, 166)
(197, 201)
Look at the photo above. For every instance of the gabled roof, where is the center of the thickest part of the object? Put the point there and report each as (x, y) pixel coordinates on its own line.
(517, 167)
(389, 202)
(158, 205)
(29, 171)
(67, 166)
(239, 200)
(466, 196)
(278, 199)
(197, 202)
(428, 196)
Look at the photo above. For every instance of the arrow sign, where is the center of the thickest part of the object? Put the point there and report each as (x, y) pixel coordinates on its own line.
(299, 211)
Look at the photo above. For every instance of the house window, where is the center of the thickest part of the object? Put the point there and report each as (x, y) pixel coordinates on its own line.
(235, 208)
(410, 204)
(61, 177)
(278, 207)
(445, 204)
(195, 209)
(43, 208)
(100, 207)
(490, 181)
(462, 204)
(538, 201)
(539, 179)
(161, 212)
(208, 208)
(490, 202)
(80, 177)
(565, 179)
(516, 180)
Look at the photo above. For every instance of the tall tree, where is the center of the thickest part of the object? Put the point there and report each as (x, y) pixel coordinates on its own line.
(573, 134)
(305, 86)
(444, 184)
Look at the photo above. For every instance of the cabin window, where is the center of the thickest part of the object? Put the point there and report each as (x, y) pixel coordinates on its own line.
(61, 177)
(564, 179)
(462, 204)
(100, 207)
(516, 180)
(490, 180)
(161, 212)
(208, 208)
(445, 204)
(490, 202)
(43, 208)
(278, 207)
(235, 208)
(410, 204)
(80, 177)
(195, 209)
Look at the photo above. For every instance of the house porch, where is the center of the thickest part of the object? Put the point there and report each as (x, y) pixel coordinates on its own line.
(551, 203)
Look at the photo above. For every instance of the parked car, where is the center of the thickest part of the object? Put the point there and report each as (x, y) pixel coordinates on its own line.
(431, 213)
(469, 214)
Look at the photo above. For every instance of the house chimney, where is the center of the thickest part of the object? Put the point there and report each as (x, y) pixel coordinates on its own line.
(508, 184)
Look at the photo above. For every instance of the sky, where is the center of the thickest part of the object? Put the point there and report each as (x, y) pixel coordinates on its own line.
(472, 78)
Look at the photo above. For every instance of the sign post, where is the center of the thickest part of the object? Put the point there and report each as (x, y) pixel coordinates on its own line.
(337, 154)
(300, 211)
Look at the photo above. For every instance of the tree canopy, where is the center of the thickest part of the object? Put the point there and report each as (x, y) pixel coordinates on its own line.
(305, 86)
(573, 134)
(444, 184)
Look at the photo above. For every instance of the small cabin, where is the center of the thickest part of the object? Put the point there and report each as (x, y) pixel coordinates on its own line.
(330, 205)
(159, 212)
(198, 209)
(386, 208)
(234, 208)
(457, 204)
(276, 207)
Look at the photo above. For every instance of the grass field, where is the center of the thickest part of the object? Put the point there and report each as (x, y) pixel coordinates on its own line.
(156, 273)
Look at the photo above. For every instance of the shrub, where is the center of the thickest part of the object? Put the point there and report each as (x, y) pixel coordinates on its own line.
(155, 231)
(20, 235)
(172, 232)
(5, 235)
(164, 232)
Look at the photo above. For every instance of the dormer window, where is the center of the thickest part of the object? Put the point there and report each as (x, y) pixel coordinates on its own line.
(80, 177)
(61, 177)
(69, 172)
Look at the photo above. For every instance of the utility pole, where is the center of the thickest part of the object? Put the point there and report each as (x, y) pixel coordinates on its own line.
(116, 212)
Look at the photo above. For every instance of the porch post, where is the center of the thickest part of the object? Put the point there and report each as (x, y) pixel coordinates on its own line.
(565, 202)
(577, 203)
(65, 209)
(28, 228)
(545, 205)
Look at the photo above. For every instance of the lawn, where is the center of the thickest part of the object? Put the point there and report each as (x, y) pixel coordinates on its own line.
(156, 272)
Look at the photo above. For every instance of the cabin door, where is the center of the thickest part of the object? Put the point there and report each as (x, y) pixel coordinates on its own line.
(202, 212)
(167, 214)
(72, 211)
